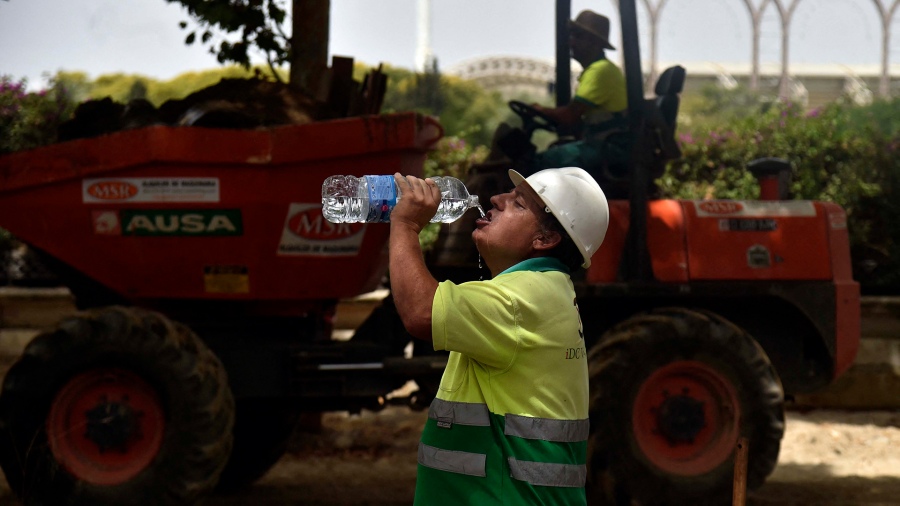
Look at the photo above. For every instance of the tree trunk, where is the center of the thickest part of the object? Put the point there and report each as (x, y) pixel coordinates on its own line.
(309, 44)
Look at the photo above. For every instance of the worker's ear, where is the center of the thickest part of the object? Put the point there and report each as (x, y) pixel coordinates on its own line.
(546, 240)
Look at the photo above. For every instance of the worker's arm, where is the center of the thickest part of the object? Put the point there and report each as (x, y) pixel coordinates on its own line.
(568, 116)
(412, 285)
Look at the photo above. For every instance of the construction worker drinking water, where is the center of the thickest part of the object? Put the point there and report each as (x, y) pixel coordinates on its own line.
(509, 424)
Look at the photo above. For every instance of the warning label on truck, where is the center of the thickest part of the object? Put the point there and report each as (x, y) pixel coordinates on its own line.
(226, 279)
(150, 189)
(307, 232)
(748, 225)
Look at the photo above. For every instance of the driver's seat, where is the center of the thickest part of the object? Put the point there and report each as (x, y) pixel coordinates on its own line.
(662, 112)
(656, 142)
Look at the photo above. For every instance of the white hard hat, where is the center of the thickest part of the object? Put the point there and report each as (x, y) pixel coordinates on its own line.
(576, 200)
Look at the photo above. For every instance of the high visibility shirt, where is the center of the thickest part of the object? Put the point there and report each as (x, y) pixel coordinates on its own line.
(602, 85)
(509, 424)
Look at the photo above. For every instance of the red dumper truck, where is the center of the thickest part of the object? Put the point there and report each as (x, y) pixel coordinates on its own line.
(208, 280)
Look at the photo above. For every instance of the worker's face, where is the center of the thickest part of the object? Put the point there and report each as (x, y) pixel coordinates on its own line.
(507, 234)
(581, 44)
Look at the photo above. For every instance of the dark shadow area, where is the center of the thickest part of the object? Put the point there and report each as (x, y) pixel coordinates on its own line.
(330, 480)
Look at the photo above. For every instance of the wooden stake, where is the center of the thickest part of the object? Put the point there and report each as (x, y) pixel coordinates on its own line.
(739, 495)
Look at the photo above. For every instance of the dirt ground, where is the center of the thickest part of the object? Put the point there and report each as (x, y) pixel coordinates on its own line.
(828, 458)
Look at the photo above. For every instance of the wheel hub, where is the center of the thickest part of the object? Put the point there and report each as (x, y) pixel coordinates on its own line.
(680, 419)
(105, 426)
(113, 425)
(690, 432)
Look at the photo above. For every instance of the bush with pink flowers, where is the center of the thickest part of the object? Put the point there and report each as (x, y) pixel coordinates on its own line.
(30, 119)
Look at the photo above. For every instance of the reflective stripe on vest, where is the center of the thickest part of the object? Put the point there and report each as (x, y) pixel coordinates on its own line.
(547, 429)
(447, 413)
(548, 475)
(472, 464)
(464, 413)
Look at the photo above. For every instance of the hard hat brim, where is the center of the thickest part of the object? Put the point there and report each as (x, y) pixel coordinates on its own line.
(516, 177)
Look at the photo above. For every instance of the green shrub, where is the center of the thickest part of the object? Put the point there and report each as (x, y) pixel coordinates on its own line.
(452, 156)
(29, 119)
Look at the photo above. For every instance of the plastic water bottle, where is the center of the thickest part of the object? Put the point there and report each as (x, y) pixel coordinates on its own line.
(370, 199)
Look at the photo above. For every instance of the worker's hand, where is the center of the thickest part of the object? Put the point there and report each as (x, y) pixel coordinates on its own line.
(418, 201)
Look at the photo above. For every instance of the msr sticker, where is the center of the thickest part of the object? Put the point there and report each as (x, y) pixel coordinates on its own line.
(716, 207)
(190, 222)
(106, 222)
(307, 233)
(758, 257)
(150, 189)
(226, 279)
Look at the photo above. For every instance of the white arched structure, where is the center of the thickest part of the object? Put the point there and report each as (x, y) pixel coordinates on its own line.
(512, 75)
(814, 85)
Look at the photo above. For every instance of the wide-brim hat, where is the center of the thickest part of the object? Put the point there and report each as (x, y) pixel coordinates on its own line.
(594, 24)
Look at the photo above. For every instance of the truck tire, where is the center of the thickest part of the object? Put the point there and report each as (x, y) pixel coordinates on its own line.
(672, 391)
(115, 406)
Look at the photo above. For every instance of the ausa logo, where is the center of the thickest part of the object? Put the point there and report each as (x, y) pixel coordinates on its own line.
(190, 222)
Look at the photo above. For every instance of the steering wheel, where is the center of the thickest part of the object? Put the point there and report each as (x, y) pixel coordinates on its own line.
(532, 119)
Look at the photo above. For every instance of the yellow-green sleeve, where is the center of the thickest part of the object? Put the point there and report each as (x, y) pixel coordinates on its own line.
(602, 85)
(477, 319)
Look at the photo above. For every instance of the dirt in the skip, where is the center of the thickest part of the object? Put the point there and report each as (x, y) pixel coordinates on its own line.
(230, 103)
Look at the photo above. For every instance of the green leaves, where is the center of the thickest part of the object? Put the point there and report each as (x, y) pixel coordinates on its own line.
(464, 108)
(452, 156)
(30, 119)
(234, 29)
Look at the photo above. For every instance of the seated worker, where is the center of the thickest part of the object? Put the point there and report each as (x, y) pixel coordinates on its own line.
(600, 95)
(597, 111)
